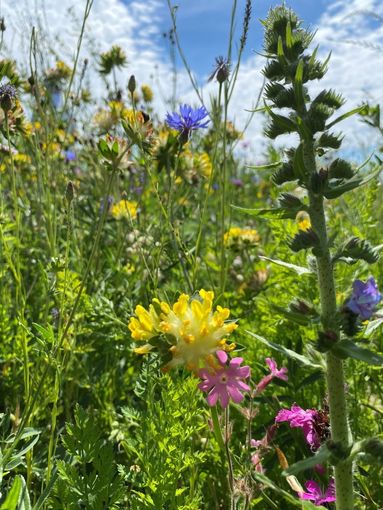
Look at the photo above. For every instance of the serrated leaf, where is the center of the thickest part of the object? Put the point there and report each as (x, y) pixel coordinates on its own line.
(293, 267)
(286, 352)
(321, 457)
(348, 349)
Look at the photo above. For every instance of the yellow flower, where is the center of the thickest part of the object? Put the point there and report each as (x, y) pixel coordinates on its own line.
(240, 237)
(192, 327)
(124, 209)
(304, 222)
(147, 93)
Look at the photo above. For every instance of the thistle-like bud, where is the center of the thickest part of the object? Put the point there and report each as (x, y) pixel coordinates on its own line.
(2, 25)
(7, 96)
(132, 84)
(69, 192)
(305, 239)
(221, 71)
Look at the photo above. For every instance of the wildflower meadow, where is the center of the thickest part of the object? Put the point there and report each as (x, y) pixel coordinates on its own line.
(184, 325)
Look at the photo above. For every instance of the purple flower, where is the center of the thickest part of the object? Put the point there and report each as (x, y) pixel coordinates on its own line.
(69, 155)
(315, 493)
(274, 372)
(237, 182)
(188, 119)
(299, 418)
(365, 297)
(225, 382)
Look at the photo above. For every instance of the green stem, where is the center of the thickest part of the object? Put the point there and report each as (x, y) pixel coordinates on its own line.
(334, 375)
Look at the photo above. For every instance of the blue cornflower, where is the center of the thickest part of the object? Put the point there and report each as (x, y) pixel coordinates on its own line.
(188, 119)
(7, 96)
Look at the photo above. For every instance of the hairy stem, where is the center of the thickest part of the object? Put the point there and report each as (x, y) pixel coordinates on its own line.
(340, 432)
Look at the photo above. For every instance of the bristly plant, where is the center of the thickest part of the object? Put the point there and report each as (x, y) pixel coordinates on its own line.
(291, 109)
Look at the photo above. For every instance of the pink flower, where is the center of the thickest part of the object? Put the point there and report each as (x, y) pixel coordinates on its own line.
(266, 440)
(257, 462)
(299, 418)
(274, 372)
(226, 382)
(315, 493)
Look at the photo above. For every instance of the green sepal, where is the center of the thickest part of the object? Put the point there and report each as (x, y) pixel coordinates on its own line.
(348, 349)
(304, 240)
(356, 249)
(336, 190)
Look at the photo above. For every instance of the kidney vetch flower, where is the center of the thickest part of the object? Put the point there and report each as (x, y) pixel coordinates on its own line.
(190, 330)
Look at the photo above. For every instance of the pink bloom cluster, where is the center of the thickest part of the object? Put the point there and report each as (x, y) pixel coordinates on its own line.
(274, 372)
(225, 382)
(314, 493)
(304, 419)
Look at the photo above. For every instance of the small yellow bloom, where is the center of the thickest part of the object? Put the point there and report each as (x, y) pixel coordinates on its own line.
(124, 209)
(303, 221)
(147, 93)
(237, 236)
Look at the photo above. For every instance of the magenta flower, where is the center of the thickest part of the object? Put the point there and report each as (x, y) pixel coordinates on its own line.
(365, 297)
(315, 493)
(274, 372)
(299, 418)
(225, 382)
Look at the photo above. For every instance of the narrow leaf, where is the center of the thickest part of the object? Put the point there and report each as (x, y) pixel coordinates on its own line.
(298, 269)
(349, 349)
(287, 352)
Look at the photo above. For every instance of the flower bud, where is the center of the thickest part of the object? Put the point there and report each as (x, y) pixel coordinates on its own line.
(132, 84)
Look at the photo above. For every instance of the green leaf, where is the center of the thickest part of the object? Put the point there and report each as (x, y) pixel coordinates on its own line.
(18, 496)
(286, 352)
(345, 116)
(372, 326)
(279, 213)
(322, 455)
(297, 317)
(298, 85)
(265, 167)
(289, 36)
(297, 269)
(12, 499)
(348, 349)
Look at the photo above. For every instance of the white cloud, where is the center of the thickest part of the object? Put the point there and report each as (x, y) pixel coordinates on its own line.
(354, 37)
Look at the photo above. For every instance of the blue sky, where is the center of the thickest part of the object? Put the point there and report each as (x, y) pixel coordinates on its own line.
(203, 26)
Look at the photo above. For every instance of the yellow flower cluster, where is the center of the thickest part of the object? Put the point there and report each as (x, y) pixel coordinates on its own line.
(194, 329)
(239, 237)
(124, 209)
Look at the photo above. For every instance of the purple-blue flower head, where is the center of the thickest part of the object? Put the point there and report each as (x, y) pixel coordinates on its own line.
(365, 297)
(188, 119)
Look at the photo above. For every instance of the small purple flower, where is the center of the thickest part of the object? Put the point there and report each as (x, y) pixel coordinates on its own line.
(188, 119)
(225, 382)
(299, 418)
(69, 155)
(315, 493)
(274, 372)
(109, 203)
(238, 183)
(365, 297)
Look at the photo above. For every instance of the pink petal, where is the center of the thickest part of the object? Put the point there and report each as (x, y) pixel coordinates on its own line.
(234, 393)
(224, 398)
(205, 386)
(242, 386)
(212, 397)
(243, 372)
(235, 362)
(222, 357)
(271, 363)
